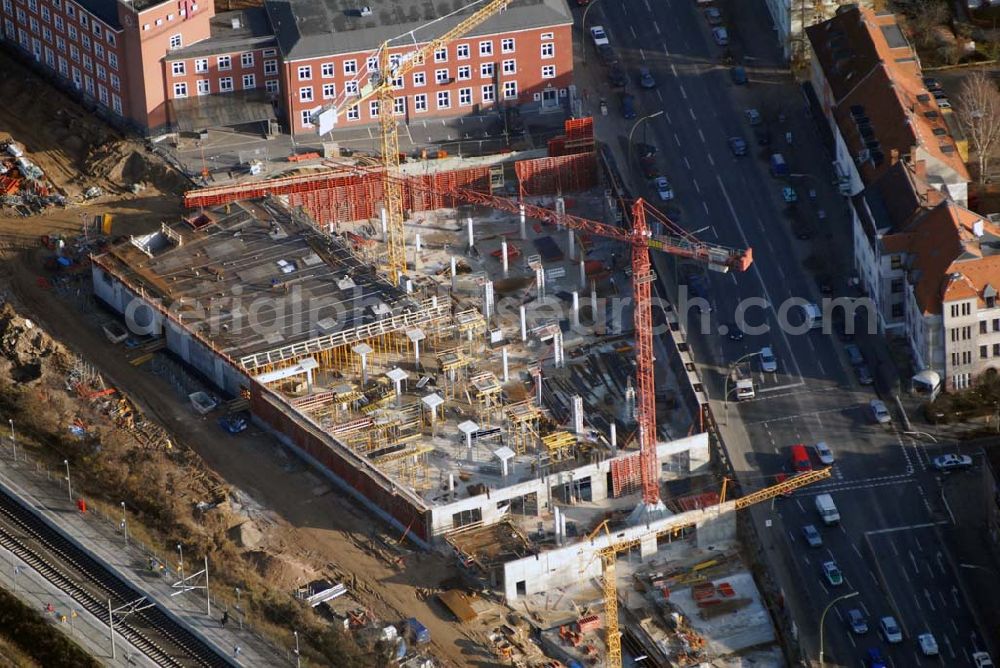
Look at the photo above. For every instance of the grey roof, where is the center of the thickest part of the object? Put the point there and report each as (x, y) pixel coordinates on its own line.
(199, 112)
(254, 32)
(315, 28)
(106, 10)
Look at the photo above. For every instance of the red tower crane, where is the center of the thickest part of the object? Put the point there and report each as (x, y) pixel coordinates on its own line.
(674, 241)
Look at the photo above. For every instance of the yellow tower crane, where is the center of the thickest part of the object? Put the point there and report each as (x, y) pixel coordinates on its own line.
(379, 84)
(609, 554)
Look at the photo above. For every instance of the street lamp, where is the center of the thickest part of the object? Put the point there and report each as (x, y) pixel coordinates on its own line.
(13, 439)
(632, 131)
(69, 483)
(124, 523)
(823, 619)
(583, 27)
(976, 567)
(298, 660)
(238, 608)
(921, 433)
(180, 559)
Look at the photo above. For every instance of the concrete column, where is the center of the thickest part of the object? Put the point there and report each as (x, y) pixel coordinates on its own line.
(583, 273)
(578, 414)
(562, 526)
(524, 230)
(593, 302)
(309, 385)
(557, 347)
(471, 233)
(454, 271)
(506, 368)
(504, 467)
(416, 354)
(416, 252)
(384, 215)
(524, 325)
(576, 309)
(571, 243)
(503, 258)
(451, 482)
(614, 438)
(364, 369)
(560, 210)
(399, 391)
(409, 286)
(558, 525)
(538, 386)
(540, 282)
(488, 299)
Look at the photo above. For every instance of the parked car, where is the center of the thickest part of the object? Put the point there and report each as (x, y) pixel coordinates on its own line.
(832, 573)
(648, 167)
(857, 621)
(646, 79)
(944, 103)
(753, 116)
(663, 189)
(713, 16)
(864, 374)
(982, 660)
(824, 453)
(928, 645)
(811, 534)
(803, 230)
(873, 658)
(738, 75)
(879, 411)
(721, 36)
(617, 76)
(738, 146)
(628, 106)
(952, 462)
(607, 55)
(768, 362)
(932, 83)
(789, 195)
(644, 150)
(889, 630)
(854, 354)
(599, 36)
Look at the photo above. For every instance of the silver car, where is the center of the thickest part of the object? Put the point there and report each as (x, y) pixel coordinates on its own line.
(879, 411)
(824, 453)
(768, 362)
(889, 630)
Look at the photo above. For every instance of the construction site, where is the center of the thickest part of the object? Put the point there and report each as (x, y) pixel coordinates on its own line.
(484, 369)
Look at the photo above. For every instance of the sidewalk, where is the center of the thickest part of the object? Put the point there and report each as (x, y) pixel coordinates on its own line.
(50, 499)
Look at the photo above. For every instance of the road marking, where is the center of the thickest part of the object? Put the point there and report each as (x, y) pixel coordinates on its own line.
(677, 139)
(686, 163)
(781, 387)
(958, 603)
(944, 601)
(927, 595)
(920, 548)
(656, 26)
(947, 641)
(704, 205)
(871, 573)
(642, 53)
(634, 36)
(696, 186)
(905, 574)
(858, 551)
(711, 160)
(691, 112)
(666, 51)
(673, 68)
(799, 504)
(648, 8)
(798, 416)
(917, 601)
(850, 636)
(954, 625)
(908, 527)
(913, 560)
(702, 135)
(683, 92)
(660, 98)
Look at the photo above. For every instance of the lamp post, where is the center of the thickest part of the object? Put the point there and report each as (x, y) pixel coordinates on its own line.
(298, 660)
(180, 560)
(13, 438)
(977, 567)
(823, 618)
(632, 132)
(583, 27)
(69, 483)
(124, 523)
(239, 609)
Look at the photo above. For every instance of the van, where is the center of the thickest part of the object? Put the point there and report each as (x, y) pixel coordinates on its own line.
(813, 315)
(778, 165)
(827, 509)
(800, 459)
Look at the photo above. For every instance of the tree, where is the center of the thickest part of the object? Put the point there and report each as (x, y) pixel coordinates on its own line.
(925, 17)
(978, 110)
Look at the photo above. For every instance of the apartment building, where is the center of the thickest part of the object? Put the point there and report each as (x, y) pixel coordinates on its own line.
(158, 66)
(792, 17)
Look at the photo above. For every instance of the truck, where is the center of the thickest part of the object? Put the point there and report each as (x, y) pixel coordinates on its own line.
(743, 382)
(778, 165)
(417, 631)
(827, 509)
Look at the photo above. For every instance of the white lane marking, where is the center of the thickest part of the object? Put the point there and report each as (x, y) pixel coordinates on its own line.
(917, 601)
(691, 111)
(634, 36)
(711, 160)
(927, 595)
(660, 98)
(908, 527)
(696, 187)
(648, 8)
(656, 26)
(673, 68)
(684, 93)
(642, 53)
(892, 544)
(850, 636)
(704, 205)
(702, 135)
(854, 545)
(666, 51)
(756, 269)
(686, 163)
(677, 139)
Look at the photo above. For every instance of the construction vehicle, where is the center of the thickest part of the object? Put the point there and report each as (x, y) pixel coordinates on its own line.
(609, 554)
(380, 85)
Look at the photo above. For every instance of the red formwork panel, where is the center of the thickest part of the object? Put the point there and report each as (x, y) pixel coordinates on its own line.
(579, 128)
(624, 476)
(557, 175)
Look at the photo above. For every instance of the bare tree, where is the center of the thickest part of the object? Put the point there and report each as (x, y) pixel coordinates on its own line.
(925, 17)
(978, 110)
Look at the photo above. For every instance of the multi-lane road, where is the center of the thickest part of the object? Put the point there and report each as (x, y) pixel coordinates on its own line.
(888, 495)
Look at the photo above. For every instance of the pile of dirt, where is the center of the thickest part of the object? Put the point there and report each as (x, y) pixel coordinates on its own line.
(125, 165)
(24, 348)
(279, 571)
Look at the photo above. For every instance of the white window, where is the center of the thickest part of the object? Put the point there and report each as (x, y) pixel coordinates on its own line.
(158, 22)
(441, 76)
(373, 108)
(102, 74)
(329, 91)
(50, 58)
(269, 53)
(180, 89)
(201, 65)
(443, 99)
(116, 83)
(97, 29)
(111, 38)
(351, 87)
(113, 61)
(88, 64)
(507, 45)
(170, 17)
(57, 4)
(60, 44)
(420, 103)
(326, 69)
(102, 94)
(33, 5)
(226, 85)
(510, 90)
(464, 73)
(306, 94)
(489, 94)
(419, 78)
(270, 67)
(548, 49)
(70, 10)
(77, 78)
(8, 6)
(88, 85)
(510, 67)
(307, 119)
(63, 66)
(548, 71)
(71, 31)
(441, 55)
(246, 59)
(84, 21)
(85, 40)
(46, 34)
(178, 68)
(176, 41)
(99, 51)
(486, 70)
(249, 82)
(271, 86)
(397, 83)
(350, 67)
(371, 63)
(34, 28)
(353, 113)
(464, 97)
(74, 53)
(548, 35)
(204, 86)
(116, 104)
(486, 48)
(224, 62)
(58, 21)
(47, 15)
(305, 72)
(462, 51)
(145, 26)
(399, 106)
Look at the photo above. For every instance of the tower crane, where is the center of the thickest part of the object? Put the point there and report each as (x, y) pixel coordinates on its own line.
(379, 84)
(609, 554)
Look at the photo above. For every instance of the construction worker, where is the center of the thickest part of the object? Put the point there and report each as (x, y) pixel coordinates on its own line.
(225, 618)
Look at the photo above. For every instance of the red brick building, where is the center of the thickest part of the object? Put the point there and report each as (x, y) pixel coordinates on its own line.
(160, 66)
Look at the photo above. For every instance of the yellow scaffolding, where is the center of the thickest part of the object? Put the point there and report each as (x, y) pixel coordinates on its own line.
(521, 422)
(558, 443)
(488, 393)
(470, 323)
(450, 363)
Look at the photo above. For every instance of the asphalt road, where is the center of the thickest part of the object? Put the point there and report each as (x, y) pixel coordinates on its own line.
(888, 499)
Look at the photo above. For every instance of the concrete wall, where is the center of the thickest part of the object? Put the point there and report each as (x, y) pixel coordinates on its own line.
(573, 563)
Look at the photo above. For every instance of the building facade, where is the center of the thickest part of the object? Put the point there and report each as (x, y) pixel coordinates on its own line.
(792, 17)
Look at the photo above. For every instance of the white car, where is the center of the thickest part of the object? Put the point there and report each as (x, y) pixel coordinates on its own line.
(889, 630)
(952, 462)
(982, 660)
(928, 645)
(663, 189)
(879, 411)
(721, 36)
(824, 453)
(768, 362)
(599, 36)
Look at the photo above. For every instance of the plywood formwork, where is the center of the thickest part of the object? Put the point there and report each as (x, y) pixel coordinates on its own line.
(487, 392)
(521, 422)
(556, 175)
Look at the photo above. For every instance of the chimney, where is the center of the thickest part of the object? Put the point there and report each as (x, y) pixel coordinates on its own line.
(235, 22)
(894, 156)
(920, 169)
(977, 228)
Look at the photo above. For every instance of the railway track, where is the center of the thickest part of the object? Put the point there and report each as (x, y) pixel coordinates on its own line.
(91, 584)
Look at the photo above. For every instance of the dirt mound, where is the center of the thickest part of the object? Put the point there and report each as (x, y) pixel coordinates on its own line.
(279, 571)
(124, 165)
(24, 347)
